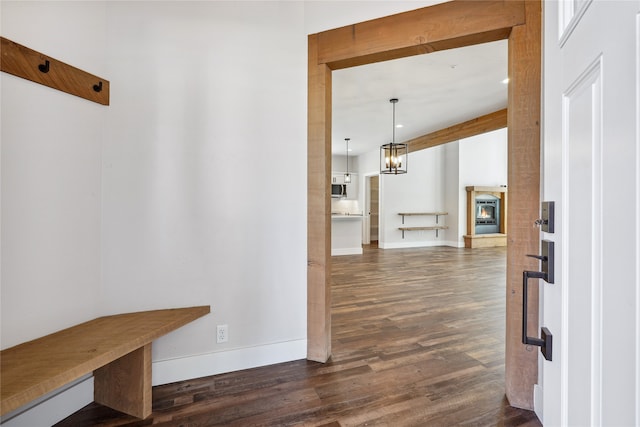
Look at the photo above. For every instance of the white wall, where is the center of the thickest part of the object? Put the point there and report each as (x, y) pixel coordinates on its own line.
(171, 195)
(483, 162)
(436, 181)
(421, 189)
(194, 211)
(328, 14)
(483, 159)
(339, 164)
(454, 200)
(51, 188)
(51, 177)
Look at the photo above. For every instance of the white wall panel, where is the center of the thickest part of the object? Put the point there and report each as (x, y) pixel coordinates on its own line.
(582, 139)
(570, 13)
(637, 79)
(204, 171)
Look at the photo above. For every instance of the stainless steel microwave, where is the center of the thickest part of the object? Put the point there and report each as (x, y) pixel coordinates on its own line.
(339, 190)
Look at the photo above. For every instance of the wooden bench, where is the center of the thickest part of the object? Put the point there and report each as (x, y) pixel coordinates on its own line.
(117, 349)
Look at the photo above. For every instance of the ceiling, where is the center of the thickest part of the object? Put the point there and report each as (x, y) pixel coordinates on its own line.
(435, 91)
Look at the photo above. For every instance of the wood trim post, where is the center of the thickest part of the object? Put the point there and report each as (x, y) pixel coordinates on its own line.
(503, 218)
(318, 208)
(471, 208)
(521, 361)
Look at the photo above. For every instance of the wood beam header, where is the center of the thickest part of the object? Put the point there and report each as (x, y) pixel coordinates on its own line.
(477, 126)
(439, 27)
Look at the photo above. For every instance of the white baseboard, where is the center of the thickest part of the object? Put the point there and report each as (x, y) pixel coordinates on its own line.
(537, 401)
(346, 251)
(414, 244)
(421, 244)
(53, 407)
(61, 403)
(203, 365)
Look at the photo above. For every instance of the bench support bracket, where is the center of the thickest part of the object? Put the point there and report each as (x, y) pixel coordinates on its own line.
(125, 383)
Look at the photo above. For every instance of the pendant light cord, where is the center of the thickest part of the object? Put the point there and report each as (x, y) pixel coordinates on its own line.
(393, 132)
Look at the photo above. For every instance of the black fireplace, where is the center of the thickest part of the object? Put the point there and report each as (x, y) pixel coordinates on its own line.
(487, 215)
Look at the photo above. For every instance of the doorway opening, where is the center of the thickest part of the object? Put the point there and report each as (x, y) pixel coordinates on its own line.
(443, 26)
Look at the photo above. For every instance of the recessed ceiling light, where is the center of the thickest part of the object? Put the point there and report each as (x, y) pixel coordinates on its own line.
(505, 81)
(399, 125)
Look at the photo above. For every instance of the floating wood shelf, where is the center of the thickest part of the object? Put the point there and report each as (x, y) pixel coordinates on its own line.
(436, 214)
(434, 227)
(29, 64)
(429, 227)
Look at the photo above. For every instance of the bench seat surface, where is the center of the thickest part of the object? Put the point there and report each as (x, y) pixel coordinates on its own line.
(34, 368)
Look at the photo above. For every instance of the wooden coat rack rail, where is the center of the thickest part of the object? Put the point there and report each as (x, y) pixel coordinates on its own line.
(39, 68)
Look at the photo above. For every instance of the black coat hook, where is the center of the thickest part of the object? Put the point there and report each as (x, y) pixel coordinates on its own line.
(98, 87)
(44, 67)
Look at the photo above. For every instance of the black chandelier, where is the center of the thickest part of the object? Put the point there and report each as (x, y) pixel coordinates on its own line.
(394, 156)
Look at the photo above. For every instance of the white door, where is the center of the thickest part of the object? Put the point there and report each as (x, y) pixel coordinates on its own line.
(590, 169)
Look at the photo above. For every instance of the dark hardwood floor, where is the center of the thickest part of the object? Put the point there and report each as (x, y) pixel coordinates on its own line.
(418, 340)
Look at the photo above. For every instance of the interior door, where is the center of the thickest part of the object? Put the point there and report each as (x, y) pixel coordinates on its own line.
(590, 161)
(374, 191)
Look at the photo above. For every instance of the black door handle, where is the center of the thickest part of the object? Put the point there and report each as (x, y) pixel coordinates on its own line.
(546, 340)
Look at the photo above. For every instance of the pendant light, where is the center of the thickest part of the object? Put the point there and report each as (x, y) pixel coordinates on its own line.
(394, 157)
(347, 176)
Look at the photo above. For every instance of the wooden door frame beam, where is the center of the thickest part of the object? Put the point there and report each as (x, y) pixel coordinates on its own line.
(440, 27)
(443, 26)
(479, 125)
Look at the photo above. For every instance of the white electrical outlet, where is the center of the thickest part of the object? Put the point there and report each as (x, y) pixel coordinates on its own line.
(222, 333)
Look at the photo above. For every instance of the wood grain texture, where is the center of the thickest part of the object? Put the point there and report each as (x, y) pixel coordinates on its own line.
(420, 348)
(485, 240)
(318, 208)
(525, 58)
(34, 368)
(125, 383)
(479, 125)
(443, 26)
(23, 62)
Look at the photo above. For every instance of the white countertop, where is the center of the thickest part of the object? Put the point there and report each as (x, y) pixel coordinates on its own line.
(346, 216)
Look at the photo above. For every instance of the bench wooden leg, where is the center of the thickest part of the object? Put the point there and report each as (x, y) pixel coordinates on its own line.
(125, 383)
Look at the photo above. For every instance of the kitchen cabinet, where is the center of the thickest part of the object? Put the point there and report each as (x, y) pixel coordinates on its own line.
(352, 187)
(346, 235)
